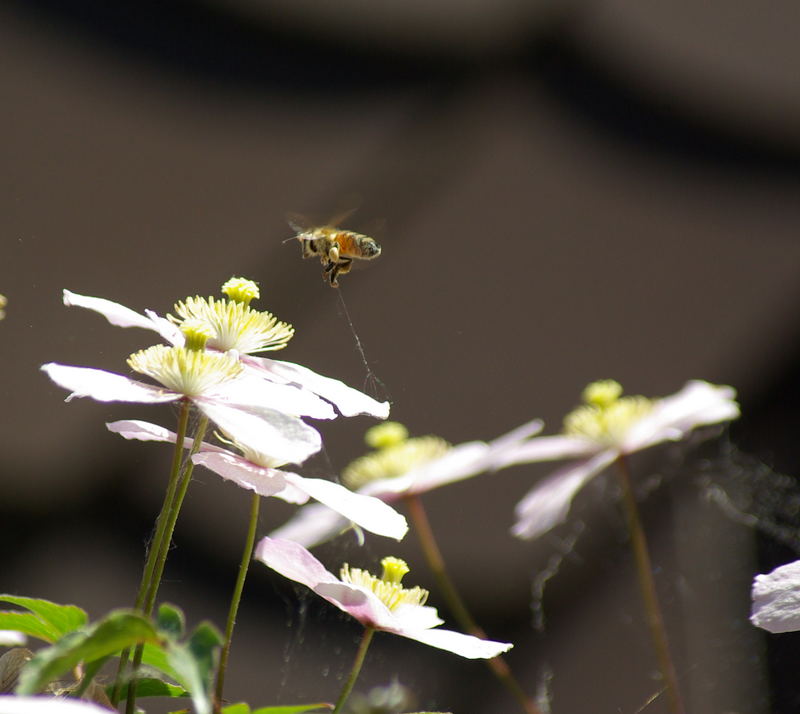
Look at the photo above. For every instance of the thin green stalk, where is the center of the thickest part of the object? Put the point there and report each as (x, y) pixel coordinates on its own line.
(161, 559)
(644, 569)
(354, 672)
(161, 524)
(247, 556)
(433, 556)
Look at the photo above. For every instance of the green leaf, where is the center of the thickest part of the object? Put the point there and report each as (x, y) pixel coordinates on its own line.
(28, 623)
(55, 620)
(152, 687)
(156, 657)
(171, 621)
(194, 664)
(243, 708)
(115, 632)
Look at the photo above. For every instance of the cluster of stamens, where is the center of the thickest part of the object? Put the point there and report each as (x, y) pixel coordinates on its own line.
(236, 326)
(605, 415)
(394, 456)
(387, 588)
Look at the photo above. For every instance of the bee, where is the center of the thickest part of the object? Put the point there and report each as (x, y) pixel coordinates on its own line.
(335, 247)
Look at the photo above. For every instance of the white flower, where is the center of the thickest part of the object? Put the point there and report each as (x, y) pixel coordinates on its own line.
(47, 705)
(12, 638)
(776, 599)
(402, 467)
(607, 426)
(380, 603)
(257, 472)
(238, 328)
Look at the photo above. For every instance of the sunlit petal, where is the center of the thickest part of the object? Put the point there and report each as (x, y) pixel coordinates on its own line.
(105, 386)
(264, 481)
(776, 599)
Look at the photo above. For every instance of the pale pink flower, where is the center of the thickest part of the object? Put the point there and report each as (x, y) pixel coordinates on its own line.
(404, 468)
(47, 705)
(776, 599)
(12, 638)
(245, 334)
(598, 433)
(257, 472)
(378, 603)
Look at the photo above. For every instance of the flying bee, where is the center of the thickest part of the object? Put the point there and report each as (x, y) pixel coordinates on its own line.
(335, 247)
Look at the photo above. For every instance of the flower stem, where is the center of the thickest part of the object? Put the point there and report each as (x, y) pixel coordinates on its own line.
(433, 556)
(644, 569)
(163, 549)
(247, 556)
(161, 524)
(354, 672)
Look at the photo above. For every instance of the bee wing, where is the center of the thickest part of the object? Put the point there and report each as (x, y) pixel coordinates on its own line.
(299, 223)
(341, 217)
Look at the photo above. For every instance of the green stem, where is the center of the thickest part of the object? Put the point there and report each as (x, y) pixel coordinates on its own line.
(161, 559)
(433, 556)
(354, 672)
(644, 568)
(247, 556)
(161, 524)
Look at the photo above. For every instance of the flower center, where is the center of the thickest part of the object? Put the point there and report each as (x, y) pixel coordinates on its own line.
(235, 325)
(394, 456)
(606, 415)
(388, 588)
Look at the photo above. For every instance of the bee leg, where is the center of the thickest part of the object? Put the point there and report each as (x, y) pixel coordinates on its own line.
(333, 253)
(342, 267)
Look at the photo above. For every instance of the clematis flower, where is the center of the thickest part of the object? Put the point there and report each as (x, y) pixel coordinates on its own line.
(235, 326)
(402, 467)
(606, 427)
(258, 472)
(47, 705)
(377, 603)
(214, 382)
(776, 599)
(12, 638)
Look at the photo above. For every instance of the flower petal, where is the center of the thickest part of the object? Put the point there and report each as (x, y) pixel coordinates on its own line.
(697, 404)
(547, 504)
(311, 525)
(47, 705)
(250, 390)
(12, 638)
(122, 316)
(105, 386)
(264, 481)
(347, 400)
(776, 599)
(370, 513)
(460, 644)
(545, 448)
(282, 437)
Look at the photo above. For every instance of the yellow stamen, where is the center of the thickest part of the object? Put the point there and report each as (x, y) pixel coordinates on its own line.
(241, 290)
(388, 588)
(606, 416)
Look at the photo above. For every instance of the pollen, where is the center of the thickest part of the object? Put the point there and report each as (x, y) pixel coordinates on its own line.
(187, 371)
(388, 587)
(393, 460)
(606, 415)
(236, 326)
(382, 436)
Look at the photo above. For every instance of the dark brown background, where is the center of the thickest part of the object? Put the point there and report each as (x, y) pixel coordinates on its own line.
(568, 192)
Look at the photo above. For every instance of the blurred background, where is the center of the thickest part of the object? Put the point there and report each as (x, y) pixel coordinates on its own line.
(564, 191)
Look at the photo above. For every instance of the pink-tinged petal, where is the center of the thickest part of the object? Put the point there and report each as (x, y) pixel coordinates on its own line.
(416, 617)
(122, 316)
(457, 643)
(515, 436)
(264, 481)
(370, 513)
(293, 561)
(776, 599)
(255, 391)
(282, 437)
(292, 494)
(545, 448)
(311, 525)
(697, 404)
(47, 705)
(359, 604)
(105, 386)
(458, 463)
(347, 400)
(116, 314)
(12, 638)
(135, 429)
(547, 504)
